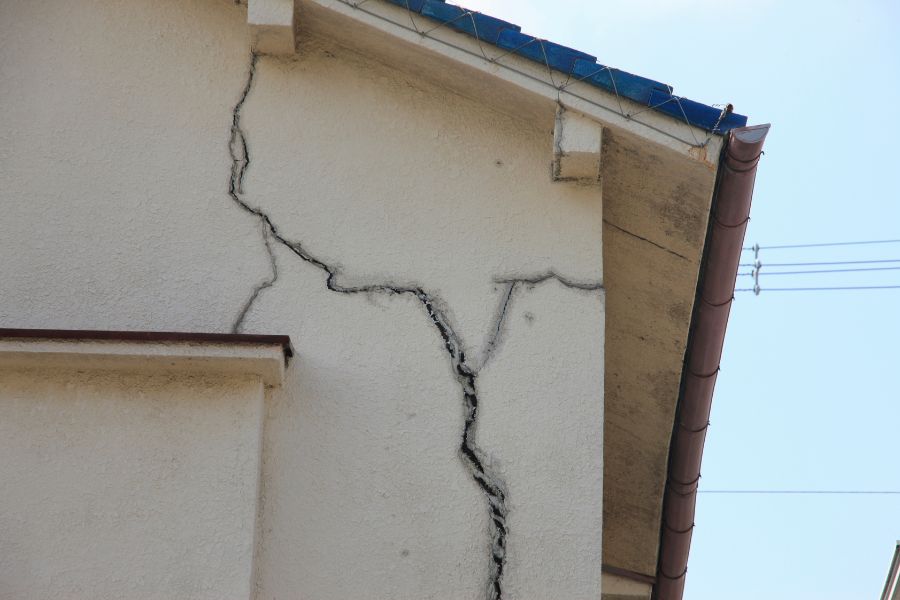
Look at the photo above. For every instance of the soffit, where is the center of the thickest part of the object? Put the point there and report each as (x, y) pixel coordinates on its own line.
(656, 206)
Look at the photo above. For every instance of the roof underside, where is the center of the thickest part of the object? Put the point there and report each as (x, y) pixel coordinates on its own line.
(576, 65)
(652, 246)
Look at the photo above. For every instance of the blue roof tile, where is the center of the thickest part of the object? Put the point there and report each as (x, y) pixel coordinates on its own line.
(483, 27)
(700, 115)
(556, 56)
(579, 65)
(413, 5)
(630, 86)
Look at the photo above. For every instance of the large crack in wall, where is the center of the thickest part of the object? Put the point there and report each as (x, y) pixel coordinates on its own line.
(474, 459)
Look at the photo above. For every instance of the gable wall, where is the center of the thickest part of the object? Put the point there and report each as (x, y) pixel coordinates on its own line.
(117, 167)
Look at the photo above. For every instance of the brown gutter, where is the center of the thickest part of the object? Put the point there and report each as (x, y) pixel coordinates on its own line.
(152, 336)
(730, 213)
(892, 585)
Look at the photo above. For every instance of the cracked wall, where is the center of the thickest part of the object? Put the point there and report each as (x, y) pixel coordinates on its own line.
(409, 240)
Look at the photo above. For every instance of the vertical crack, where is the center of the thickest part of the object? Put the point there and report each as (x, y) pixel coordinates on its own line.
(492, 486)
(472, 457)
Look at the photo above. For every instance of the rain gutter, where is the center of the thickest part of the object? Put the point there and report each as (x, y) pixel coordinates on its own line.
(730, 212)
(892, 585)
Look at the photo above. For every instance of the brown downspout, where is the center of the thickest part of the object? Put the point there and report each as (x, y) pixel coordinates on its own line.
(715, 290)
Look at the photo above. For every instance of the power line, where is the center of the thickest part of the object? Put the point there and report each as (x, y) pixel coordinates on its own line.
(821, 245)
(822, 264)
(822, 289)
(806, 492)
(762, 273)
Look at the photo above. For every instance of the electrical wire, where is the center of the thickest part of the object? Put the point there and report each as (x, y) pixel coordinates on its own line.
(807, 492)
(822, 289)
(822, 264)
(760, 268)
(822, 245)
(762, 273)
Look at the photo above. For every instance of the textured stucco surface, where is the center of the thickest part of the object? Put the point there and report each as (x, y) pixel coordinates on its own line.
(115, 186)
(127, 486)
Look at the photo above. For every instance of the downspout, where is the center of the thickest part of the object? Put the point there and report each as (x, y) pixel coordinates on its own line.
(892, 584)
(730, 213)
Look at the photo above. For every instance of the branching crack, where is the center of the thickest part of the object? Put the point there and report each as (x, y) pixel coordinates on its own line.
(510, 285)
(466, 375)
(589, 286)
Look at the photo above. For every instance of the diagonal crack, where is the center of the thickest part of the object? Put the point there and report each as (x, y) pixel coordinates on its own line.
(643, 239)
(263, 285)
(466, 375)
(497, 328)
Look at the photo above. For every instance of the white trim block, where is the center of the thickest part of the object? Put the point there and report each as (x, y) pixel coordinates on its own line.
(271, 25)
(577, 143)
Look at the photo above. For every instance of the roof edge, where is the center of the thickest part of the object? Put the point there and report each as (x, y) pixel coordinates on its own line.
(387, 31)
(576, 65)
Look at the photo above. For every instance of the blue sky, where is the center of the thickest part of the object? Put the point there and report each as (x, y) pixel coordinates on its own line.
(808, 393)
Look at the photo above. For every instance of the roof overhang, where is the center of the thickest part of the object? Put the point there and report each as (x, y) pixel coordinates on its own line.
(392, 34)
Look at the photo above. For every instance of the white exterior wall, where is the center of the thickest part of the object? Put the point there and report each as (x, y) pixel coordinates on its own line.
(116, 167)
(127, 486)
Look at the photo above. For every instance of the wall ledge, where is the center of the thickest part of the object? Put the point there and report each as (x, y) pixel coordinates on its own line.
(148, 352)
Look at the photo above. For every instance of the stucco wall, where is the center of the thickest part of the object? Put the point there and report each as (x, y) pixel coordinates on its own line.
(127, 486)
(115, 186)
